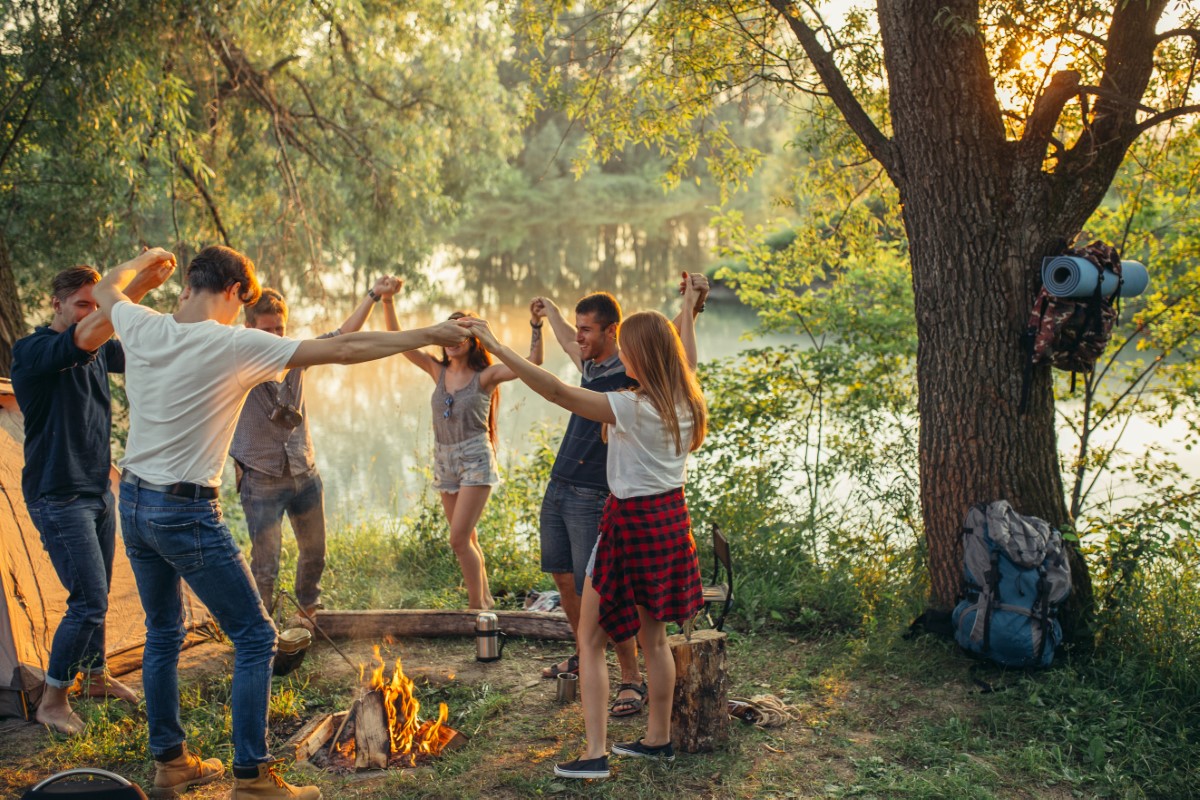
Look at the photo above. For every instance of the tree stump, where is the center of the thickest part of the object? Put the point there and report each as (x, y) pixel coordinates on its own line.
(372, 739)
(700, 712)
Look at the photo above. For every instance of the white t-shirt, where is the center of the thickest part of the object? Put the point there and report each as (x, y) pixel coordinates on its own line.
(186, 383)
(642, 459)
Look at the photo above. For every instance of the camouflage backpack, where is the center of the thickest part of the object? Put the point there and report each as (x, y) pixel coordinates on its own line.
(1070, 333)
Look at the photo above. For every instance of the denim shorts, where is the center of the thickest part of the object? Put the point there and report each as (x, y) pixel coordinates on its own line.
(570, 526)
(468, 463)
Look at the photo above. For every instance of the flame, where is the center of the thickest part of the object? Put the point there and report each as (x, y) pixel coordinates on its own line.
(410, 735)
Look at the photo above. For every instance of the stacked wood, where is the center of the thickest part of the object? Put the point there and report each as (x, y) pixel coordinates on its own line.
(700, 713)
(379, 623)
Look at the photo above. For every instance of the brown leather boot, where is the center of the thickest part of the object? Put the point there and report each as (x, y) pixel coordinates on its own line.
(176, 775)
(268, 784)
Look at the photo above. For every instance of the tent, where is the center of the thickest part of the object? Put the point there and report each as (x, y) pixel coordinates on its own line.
(34, 600)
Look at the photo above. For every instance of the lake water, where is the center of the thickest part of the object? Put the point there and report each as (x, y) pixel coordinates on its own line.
(371, 423)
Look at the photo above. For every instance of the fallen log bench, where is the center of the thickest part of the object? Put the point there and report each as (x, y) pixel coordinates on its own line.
(700, 711)
(377, 623)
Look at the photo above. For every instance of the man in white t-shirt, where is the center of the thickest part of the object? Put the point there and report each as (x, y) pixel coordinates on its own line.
(187, 375)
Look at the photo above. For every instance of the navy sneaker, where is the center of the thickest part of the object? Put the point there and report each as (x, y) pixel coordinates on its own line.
(639, 749)
(583, 768)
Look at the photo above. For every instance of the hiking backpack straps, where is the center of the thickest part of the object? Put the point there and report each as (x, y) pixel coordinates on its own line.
(1016, 576)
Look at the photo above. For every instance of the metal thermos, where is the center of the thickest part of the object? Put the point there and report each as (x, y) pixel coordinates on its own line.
(567, 687)
(488, 645)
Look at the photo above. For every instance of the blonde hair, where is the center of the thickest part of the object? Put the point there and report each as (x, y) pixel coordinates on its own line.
(651, 345)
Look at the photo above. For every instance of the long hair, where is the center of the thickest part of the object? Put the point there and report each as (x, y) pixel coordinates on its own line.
(651, 345)
(269, 302)
(478, 359)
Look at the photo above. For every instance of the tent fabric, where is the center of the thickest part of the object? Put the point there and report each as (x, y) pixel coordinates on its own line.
(34, 600)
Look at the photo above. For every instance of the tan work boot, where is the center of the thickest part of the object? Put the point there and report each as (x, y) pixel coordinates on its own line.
(269, 784)
(176, 775)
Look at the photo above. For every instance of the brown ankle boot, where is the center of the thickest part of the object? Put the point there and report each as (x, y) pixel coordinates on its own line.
(268, 784)
(176, 775)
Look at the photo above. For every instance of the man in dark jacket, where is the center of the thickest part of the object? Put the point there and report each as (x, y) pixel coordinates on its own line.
(60, 377)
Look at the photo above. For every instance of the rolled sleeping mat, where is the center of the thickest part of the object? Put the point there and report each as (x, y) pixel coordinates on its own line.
(1075, 276)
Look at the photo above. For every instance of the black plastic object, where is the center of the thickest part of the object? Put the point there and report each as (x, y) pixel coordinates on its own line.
(93, 784)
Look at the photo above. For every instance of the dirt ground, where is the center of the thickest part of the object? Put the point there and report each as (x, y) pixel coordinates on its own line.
(517, 730)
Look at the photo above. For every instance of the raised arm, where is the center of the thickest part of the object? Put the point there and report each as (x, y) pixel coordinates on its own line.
(355, 348)
(584, 402)
(699, 284)
(392, 323)
(383, 290)
(498, 373)
(564, 331)
(129, 281)
(686, 321)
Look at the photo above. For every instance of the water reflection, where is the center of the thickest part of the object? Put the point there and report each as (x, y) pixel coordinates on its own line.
(371, 423)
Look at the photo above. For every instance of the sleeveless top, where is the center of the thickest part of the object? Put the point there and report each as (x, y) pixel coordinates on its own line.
(462, 415)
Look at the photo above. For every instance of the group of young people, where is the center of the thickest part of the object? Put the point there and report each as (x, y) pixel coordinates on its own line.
(615, 530)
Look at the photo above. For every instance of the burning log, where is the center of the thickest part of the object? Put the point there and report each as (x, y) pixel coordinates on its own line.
(376, 624)
(372, 737)
(382, 729)
(699, 714)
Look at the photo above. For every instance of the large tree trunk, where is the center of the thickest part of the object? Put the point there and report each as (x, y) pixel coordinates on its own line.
(975, 242)
(12, 320)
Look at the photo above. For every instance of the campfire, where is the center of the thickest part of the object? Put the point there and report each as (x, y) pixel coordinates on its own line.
(382, 729)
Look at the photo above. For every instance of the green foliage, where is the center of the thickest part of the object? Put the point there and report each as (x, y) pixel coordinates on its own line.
(309, 135)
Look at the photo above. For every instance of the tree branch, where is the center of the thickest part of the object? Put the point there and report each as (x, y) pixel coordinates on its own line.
(213, 211)
(1164, 116)
(1192, 33)
(839, 91)
(1049, 105)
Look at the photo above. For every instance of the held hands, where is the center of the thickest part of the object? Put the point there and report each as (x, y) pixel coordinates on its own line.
(694, 286)
(388, 286)
(448, 333)
(537, 310)
(480, 329)
(154, 266)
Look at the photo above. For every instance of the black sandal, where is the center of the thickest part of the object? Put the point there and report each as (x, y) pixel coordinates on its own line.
(553, 671)
(629, 706)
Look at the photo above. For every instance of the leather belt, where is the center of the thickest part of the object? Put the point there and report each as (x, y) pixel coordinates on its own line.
(192, 490)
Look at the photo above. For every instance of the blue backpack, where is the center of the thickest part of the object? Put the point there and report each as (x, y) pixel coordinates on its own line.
(1017, 576)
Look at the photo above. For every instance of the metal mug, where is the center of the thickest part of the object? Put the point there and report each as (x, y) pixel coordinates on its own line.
(568, 683)
(488, 644)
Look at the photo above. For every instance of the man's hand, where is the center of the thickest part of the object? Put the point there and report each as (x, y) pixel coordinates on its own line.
(160, 267)
(480, 329)
(699, 282)
(537, 309)
(448, 333)
(546, 307)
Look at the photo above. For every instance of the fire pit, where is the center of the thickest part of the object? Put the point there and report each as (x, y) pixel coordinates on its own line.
(382, 729)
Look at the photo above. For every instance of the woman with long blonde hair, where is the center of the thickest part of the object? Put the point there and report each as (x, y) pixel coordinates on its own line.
(644, 570)
(465, 398)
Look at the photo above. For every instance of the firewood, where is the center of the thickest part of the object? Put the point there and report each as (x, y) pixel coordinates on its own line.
(372, 739)
(699, 714)
(378, 623)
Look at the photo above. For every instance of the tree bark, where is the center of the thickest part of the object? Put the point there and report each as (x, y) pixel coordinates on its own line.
(980, 213)
(700, 711)
(12, 318)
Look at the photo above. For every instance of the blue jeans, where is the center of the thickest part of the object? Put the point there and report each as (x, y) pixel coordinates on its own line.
(79, 534)
(169, 538)
(570, 525)
(265, 499)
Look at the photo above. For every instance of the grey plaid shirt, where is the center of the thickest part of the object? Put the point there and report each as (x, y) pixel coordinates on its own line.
(269, 447)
